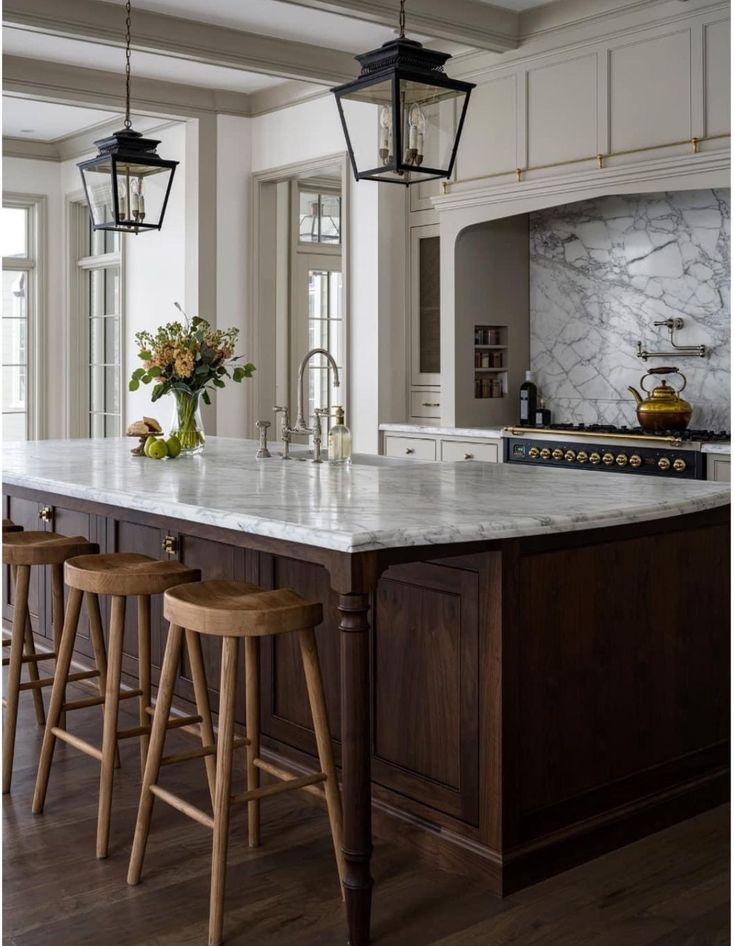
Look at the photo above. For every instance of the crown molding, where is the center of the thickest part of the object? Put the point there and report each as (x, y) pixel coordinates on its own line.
(30, 149)
(467, 22)
(75, 85)
(98, 22)
(284, 96)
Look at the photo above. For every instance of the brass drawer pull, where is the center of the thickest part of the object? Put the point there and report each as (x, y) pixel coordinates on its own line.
(170, 545)
(46, 513)
(409, 450)
(430, 404)
(469, 456)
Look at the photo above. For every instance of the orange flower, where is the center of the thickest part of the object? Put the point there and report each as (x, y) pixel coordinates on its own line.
(184, 364)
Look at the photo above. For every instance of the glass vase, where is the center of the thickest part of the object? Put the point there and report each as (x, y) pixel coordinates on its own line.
(186, 422)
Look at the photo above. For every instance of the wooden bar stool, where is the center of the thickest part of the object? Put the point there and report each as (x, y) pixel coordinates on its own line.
(23, 550)
(231, 610)
(121, 575)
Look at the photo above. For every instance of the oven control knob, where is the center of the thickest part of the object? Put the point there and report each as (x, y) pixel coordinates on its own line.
(545, 453)
(635, 460)
(595, 458)
(557, 454)
(621, 459)
(664, 463)
(570, 456)
(582, 457)
(680, 465)
(534, 452)
(608, 459)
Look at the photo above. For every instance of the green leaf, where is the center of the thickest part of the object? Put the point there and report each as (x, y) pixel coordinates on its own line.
(156, 392)
(138, 373)
(145, 355)
(133, 384)
(154, 371)
(206, 398)
(218, 383)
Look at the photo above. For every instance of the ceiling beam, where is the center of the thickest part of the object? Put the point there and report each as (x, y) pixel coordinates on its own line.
(97, 22)
(75, 85)
(468, 22)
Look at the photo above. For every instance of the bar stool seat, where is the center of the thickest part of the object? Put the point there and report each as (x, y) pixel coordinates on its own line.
(120, 575)
(22, 551)
(233, 610)
(10, 526)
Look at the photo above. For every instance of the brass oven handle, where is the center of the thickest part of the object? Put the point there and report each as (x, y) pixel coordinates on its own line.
(522, 431)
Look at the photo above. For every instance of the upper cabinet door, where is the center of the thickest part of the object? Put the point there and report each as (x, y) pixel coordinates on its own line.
(425, 315)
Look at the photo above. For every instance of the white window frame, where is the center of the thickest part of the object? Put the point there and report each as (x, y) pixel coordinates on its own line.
(34, 266)
(78, 266)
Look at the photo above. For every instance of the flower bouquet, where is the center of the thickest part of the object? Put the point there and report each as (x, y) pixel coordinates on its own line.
(188, 361)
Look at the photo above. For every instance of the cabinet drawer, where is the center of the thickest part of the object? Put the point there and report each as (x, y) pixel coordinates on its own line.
(425, 404)
(417, 448)
(469, 450)
(718, 468)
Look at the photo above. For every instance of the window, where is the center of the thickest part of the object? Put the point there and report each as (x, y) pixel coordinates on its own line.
(98, 319)
(320, 217)
(325, 331)
(20, 249)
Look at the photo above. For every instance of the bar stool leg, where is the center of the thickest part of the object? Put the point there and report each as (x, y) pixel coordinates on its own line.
(199, 679)
(110, 722)
(30, 651)
(223, 789)
(167, 682)
(252, 726)
(144, 671)
(20, 616)
(63, 662)
(98, 645)
(57, 612)
(312, 672)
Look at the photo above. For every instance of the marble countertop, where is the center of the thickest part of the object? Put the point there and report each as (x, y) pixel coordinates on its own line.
(717, 448)
(437, 431)
(375, 503)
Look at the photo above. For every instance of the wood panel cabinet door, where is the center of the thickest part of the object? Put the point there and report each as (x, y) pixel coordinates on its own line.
(72, 522)
(24, 512)
(425, 687)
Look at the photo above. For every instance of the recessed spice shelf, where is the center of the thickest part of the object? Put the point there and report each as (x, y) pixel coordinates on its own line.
(491, 361)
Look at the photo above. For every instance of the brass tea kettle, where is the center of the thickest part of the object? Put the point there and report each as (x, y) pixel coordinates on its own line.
(663, 409)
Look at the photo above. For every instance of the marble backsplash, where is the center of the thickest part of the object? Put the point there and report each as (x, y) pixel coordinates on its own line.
(602, 271)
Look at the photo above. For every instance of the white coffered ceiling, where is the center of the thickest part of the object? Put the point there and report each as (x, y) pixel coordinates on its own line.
(47, 121)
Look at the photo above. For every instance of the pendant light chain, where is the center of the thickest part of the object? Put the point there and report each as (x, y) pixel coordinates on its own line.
(402, 19)
(128, 123)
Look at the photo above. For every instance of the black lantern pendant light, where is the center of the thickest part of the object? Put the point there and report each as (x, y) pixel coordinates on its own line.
(127, 184)
(403, 116)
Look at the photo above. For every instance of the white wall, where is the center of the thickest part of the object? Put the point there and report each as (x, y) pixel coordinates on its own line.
(43, 178)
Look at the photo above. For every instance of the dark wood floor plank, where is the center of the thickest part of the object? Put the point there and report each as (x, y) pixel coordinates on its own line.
(671, 889)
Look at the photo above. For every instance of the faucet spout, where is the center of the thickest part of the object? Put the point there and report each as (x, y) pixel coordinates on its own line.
(300, 419)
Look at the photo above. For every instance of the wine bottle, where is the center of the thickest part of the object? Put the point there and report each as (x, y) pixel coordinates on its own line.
(528, 393)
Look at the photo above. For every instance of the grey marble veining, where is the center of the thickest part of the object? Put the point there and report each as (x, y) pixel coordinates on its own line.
(439, 431)
(376, 503)
(602, 271)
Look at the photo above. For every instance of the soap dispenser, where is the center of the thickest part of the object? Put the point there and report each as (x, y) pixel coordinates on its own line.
(340, 439)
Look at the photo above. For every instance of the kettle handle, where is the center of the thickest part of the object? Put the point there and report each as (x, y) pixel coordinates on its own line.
(663, 370)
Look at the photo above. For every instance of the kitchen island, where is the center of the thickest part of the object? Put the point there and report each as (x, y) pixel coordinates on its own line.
(524, 668)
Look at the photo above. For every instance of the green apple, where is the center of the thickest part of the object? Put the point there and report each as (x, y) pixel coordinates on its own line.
(174, 445)
(148, 444)
(158, 450)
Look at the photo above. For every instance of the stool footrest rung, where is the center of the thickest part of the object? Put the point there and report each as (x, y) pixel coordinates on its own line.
(202, 753)
(191, 811)
(287, 785)
(31, 658)
(83, 704)
(285, 775)
(78, 743)
(48, 681)
(7, 641)
(135, 731)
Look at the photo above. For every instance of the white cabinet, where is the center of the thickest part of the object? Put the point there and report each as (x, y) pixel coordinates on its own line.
(412, 448)
(413, 444)
(718, 467)
(426, 403)
(487, 450)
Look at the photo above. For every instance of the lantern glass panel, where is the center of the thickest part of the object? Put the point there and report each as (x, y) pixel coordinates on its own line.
(429, 119)
(98, 184)
(368, 115)
(141, 192)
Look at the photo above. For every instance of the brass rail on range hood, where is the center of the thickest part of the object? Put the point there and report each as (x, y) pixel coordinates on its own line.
(592, 434)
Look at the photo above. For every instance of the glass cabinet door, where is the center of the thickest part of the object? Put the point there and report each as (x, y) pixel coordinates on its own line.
(425, 307)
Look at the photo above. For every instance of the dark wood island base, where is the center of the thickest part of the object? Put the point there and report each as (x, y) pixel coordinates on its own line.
(512, 707)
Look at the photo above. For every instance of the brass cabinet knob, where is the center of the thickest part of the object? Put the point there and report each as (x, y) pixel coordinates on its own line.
(664, 463)
(570, 456)
(534, 452)
(635, 460)
(608, 459)
(558, 454)
(545, 453)
(409, 450)
(595, 458)
(582, 457)
(621, 459)
(170, 544)
(469, 456)
(46, 513)
(680, 465)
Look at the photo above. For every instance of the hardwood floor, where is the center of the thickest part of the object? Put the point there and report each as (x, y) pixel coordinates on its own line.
(671, 889)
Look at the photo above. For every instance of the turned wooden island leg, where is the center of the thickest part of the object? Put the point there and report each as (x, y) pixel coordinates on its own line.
(356, 794)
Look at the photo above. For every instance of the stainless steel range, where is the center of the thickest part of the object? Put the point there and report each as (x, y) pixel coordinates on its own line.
(612, 449)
